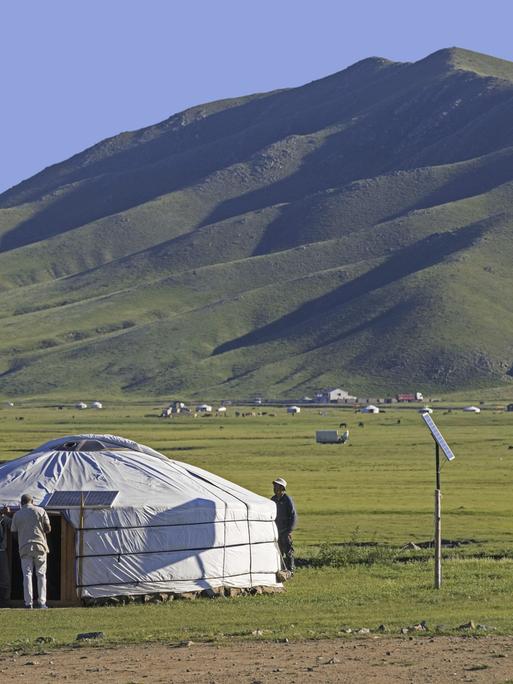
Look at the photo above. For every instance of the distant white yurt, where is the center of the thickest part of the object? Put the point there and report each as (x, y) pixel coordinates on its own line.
(472, 409)
(293, 409)
(221, 409)
(425, 409)
(80, 405)
(204, 408)
(127, 521)
(369, 409)
(96, 405)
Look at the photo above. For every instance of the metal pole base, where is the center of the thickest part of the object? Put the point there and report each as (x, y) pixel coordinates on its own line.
(438, 539)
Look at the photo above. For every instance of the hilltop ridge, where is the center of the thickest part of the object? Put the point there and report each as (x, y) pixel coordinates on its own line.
(476, 62)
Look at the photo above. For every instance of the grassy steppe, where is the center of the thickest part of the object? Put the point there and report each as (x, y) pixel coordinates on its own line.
(379, 488)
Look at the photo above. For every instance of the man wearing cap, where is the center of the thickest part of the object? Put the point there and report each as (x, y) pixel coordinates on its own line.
(286, 518)
(32, 524)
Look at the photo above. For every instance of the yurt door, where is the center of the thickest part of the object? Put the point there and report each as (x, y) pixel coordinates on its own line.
(53, 567)
(60, 570)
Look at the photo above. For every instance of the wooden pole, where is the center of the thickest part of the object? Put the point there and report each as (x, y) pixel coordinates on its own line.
(80, 545)
(438, 524)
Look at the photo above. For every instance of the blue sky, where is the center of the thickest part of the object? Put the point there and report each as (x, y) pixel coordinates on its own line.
(77, 71)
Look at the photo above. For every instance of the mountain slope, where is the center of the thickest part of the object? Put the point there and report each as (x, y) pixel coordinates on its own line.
(356, 231)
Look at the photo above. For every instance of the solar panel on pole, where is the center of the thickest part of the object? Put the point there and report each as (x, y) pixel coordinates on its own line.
(440, 443)
(437, 436)
(100, 499)
(66, 499)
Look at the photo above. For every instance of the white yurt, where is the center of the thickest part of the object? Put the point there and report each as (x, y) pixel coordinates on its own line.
(472, 409)
(425, 409)
(130, 522)
(96, 405)
(293, 409)
(81, 405)
(369, 409)
(204, 408)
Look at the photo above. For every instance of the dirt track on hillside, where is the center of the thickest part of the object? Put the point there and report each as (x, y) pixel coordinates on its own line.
(383, 659)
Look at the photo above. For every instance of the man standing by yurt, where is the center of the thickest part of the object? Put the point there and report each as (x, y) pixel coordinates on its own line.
(286, 518)
(32, 525)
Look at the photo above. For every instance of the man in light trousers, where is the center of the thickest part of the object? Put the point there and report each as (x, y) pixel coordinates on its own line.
(32, 524)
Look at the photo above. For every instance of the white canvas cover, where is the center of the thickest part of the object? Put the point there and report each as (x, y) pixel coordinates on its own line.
(172, 527)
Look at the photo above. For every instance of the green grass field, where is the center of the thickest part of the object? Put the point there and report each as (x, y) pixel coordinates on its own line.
(377, 489)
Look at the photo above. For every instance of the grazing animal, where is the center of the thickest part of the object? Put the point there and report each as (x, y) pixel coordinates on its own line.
(343, 425)
(398, 421)
(345, 437)
(361, 424)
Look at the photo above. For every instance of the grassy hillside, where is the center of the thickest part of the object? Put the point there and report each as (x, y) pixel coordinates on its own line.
(354, 231)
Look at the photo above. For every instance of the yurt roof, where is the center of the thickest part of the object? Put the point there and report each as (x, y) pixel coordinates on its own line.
(141, 476)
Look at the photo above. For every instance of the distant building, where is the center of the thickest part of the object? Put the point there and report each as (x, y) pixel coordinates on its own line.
(406, 396)
(410, 396)
(293, 409)
(509, 408)
(178, 407)
(332, 395)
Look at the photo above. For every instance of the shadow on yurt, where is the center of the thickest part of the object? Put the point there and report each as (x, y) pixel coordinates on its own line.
(129, 524)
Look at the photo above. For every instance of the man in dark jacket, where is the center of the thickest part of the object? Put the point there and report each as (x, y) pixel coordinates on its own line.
(286, 519)
(5, 571)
